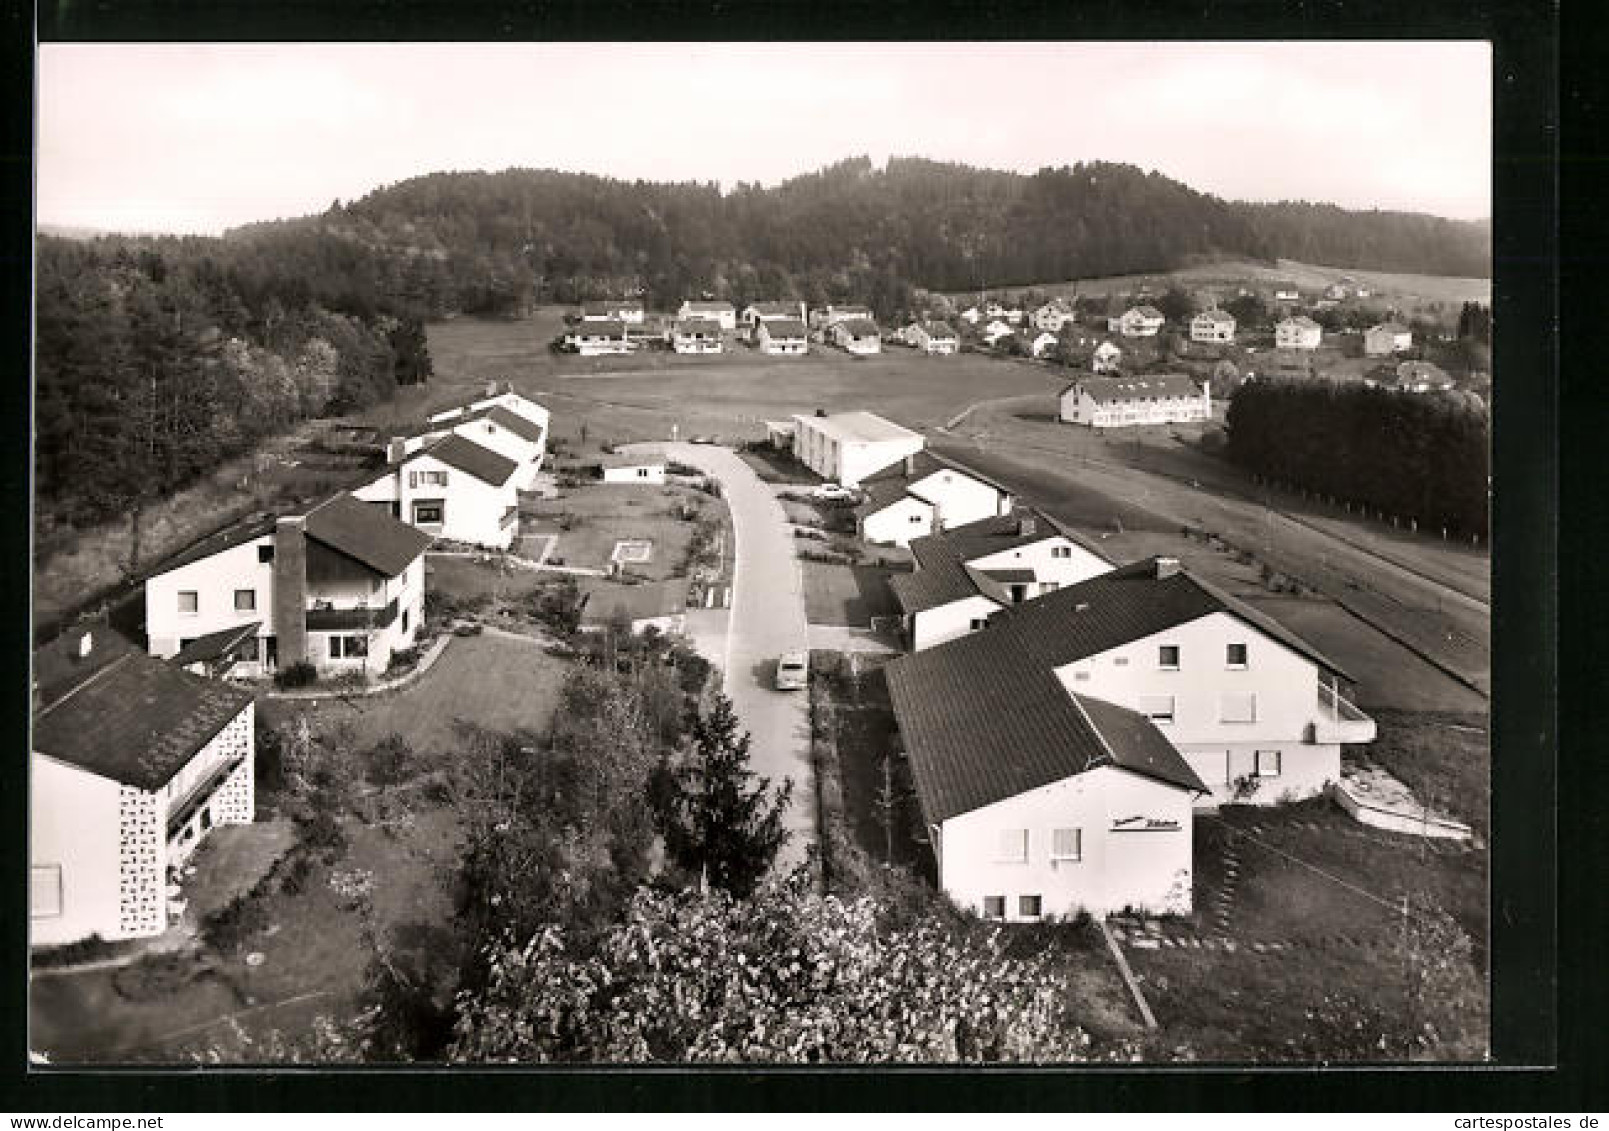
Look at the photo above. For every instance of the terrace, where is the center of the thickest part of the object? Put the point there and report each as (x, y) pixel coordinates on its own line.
(1338, 720)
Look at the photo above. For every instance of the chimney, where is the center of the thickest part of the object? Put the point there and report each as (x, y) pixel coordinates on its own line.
(290, 588)
(491, 389)
(1026, 524)
(910, 465)
(1166, 567)
(396, 450)
(86, 645)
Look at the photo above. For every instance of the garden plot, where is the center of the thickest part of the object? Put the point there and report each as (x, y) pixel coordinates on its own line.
(593, 527)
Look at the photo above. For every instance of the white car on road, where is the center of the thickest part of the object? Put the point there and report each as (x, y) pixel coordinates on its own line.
(834, 493)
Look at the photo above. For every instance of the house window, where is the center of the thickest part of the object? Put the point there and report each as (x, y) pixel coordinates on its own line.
(1013, 846)
(1167, 657)
(44, 891)
(994, 907)
(404, 620)
(1268, 763)
(642, 473)
(206, 817)
(348, 647)
(1235, 655)
(1158, 708)
(1019, 593)
(245, 600)
(428, 514)
(1061, 551)
(250, 649)
(265, 554)
(917, 517)
(189, 602)
(1067, 844)
(1237, 707)
(1028, 906)
(978, 623)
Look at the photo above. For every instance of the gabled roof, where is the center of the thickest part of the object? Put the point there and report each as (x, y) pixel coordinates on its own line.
(983, 723)
(471, 458)
(782, 309)
(59, 665)
(239, 533)
(857, 427)
(719, 307)
(942, 577)
(1217, 317)
(1148, 312)
(133, 718)
(497, 389)
(892, 483)
(1111, 390)
(1389, 328)
(1302, 321)
(785, 328)
(860, 327)
(1127, 604)
(937, 329)
(608, 328)
(698, 326)
(366, 534)
(214, 644)
(521, 426)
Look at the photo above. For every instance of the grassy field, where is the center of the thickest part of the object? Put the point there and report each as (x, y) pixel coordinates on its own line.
(846, 595)
(603, 514)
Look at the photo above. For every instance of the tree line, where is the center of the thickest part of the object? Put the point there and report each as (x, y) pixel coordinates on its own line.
(497, 243)
(1419, 458)
(158, 359)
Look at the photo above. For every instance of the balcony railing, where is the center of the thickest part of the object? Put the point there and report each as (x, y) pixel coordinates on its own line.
(358, 617)
(1338, 720)
(180, 811)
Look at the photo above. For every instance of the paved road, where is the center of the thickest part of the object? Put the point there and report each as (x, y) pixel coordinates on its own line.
(767, 618)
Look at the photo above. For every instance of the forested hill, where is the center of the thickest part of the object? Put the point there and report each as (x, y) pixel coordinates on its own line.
(496, 242)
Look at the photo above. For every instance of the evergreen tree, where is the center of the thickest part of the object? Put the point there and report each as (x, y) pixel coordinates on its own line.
(716, 818)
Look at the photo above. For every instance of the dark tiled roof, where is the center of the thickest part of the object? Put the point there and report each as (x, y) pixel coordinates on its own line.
(982, 723)
(136, 720)
(1008, 575)
(607, 328)
(367, 534)
(1147, 312)
(1110, 390)
(236, 534)
(776, 310)
(214, 644)
(58, 665)
(699, 326)
(860, 327)
(941, 575)
(1137, 745)
(890, 484)
(471, 458)
(521, 426)
(785, 328)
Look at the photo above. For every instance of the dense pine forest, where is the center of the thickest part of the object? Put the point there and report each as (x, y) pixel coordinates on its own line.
(157, 359)
(1408, 456)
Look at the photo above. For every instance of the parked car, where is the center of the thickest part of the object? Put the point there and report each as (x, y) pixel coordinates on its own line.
(793, 671)
(834, 493)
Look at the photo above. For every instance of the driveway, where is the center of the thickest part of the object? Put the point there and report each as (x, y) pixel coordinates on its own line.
(767, 618)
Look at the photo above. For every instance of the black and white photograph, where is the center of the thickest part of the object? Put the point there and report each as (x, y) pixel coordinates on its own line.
(788, 553)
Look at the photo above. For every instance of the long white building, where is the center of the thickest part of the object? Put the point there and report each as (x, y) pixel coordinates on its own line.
(1116, 402)
(847, 447)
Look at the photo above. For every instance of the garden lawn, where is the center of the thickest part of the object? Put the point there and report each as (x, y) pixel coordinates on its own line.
(603, 515)
(846, 595)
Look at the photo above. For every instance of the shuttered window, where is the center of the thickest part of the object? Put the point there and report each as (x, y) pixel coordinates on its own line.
(1013, 845)
(1067, 844)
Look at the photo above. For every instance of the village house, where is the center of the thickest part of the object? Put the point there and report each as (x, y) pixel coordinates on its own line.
(496, 394)
(1413, 377)
(134, 762)
(697, 335)
(932, 337)
(660, 605)
(858, 336)
(723, 314)
(1138, 322)
(1337, 292)
(757, 312)
(1213, 326)
(1256, 711)
(594, 339)
(643, 471)
(826, 317)
(963, 576)
(1015, 315)
(1107, 358)
(652, 331)
(1054, 316)
(340, 586)
(996, 332)
(994, 310)
(613, 310)
(1044, 343)
(1039, 800)
(1287, 292)
(783, 336)
(451, 488)
(1154, 398)
(847, 447)
(972, 315)
(925, 494)
(1299, 333)
(506, 423)
(1387, 338)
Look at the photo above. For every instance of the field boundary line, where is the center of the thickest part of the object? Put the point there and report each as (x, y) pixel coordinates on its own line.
(1128, 977)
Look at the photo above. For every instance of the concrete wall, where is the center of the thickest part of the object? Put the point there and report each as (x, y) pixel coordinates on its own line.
(1144, 863)
(896, 524)
(946, 622)
(960, 498)
(73, 825)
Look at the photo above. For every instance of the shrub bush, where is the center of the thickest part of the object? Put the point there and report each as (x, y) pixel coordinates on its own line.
(92, 949)
(228, 928)
(159, 975)
(299, 674)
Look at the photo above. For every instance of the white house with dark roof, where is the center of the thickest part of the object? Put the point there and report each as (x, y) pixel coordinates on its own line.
(858, 336)
(1213, 327)
(782, 337)
(134, 761)
(965, 575)
(340, 586)
(1040, 801)
(932, 337)
(848, 447)
(757, 313)
(1054, 316)
(697, 335)
(496, 394)
(1107, 358)
(997, 331)
(503, 421)
(722, 313)
(1044, 343)
(451, 488)
(1300, 333)
(596, 339)
(923, 494)
(1387, 338)
(1287, 292)
(613, 310)
(1139, 322)
(826, 317)
(1118, 402)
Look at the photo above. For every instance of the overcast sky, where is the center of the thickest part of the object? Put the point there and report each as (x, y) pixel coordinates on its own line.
(197, 138)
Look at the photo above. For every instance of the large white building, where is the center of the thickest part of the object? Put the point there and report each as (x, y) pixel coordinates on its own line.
(1039, 800)
(924, 494)
(1116, 402)
(756, 313)
(932, 337)
(848, 447)
(857, 335)
(697, 335)
(1299, 333)
(1213, 326)
(723, 314)
(340, 586)
(134, 761)
(597, 338)
(782, 336)
(1139, 322)
(1054, 316)
(451, 488)
(964, 576)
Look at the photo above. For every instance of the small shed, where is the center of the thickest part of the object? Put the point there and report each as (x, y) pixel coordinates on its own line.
(644, 471)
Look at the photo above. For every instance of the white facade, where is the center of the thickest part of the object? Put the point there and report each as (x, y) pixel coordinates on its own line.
(100, 850)
(507, 399)
(1106, 359)
(1298, 334)
(596, 339)
(210, 594)
(1380, 341)
(1212, 327)
(723, 314)
(527, 454)
(857, 338)
(972, 315)
(777, 340)
(1140, 322)
(1236, 703)
(1052, 317)
(905, 518)
(1102, 841)
(1044, 343)
(646, 474)
(931, 340)
(1079, 407)
(699, 336)
(848, 447)
(940, 500)
(996, 331)
(447, 502)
